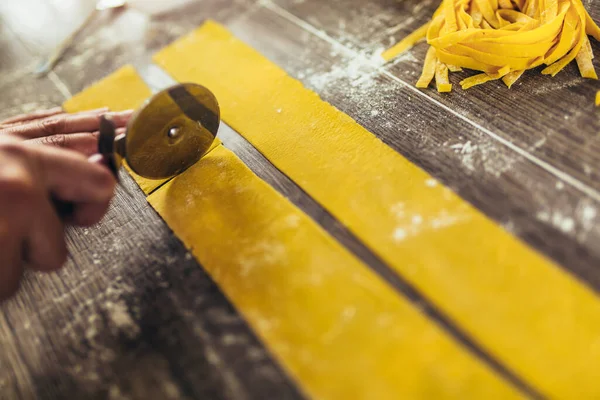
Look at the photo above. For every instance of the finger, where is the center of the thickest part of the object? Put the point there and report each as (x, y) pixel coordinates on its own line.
(98, 111)
(11, 264)
(65, 124)
(18, 204)
(71, 177)
(120, 118)
(31, 116)
(46, 247)
(85, 143)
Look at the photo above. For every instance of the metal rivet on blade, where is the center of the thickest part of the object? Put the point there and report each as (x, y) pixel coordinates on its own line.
(174, 132)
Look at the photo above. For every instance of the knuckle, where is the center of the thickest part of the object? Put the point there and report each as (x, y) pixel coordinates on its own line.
(17, 184)
(55, 140)
(52, 126)
(14, 148)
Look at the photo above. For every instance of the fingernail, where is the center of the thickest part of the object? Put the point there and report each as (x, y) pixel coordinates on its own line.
(121, 113)
(96, 110)
(120, 118)
(96, 159)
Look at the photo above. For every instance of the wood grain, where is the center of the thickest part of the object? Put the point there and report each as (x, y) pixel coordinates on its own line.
(132, 315)
(528, 200)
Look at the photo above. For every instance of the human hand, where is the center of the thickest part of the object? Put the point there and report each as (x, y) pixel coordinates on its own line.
(78, 132)
(32, 174)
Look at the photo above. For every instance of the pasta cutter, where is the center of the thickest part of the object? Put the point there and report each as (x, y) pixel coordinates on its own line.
(169, 133)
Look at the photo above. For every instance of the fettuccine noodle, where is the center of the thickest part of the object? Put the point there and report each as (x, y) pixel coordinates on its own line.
(502, 39)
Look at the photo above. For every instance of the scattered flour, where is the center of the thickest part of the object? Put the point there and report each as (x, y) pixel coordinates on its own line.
(400, 234)
(486, 154)
(588, 213)
(558, 220)
(262, 253)
(412, 224)
(292, 220)
(466, 150)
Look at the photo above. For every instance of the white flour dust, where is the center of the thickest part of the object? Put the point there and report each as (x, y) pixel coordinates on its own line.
(357, 71)
(558, 220)
(485, 156)
(412, 223)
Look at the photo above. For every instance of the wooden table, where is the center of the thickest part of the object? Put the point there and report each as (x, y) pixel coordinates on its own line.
(134, 316)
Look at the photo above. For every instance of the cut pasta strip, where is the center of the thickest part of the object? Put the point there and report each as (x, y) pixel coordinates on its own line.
(492, 35)
(406, 43)
(476, 80)
(510, 78)
(483, 78)
(584, 61)
(441, 78)
(428, 70)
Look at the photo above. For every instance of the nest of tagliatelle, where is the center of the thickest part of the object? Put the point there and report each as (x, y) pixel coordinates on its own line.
(502, 39)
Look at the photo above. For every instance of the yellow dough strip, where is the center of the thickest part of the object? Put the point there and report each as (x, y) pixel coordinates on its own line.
(333, 324)
(406, 43)
(441, 78)
(429, 69)
(524, 309)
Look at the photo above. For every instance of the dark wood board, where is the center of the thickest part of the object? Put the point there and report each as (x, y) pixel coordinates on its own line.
(526, 197)
(132, 307)
(132, 314)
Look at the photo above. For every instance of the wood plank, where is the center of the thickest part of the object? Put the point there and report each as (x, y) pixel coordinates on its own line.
(526, 199)
(131, 37)
(22, 93)
(13, 55)
(534, 195)
(497, 289)
(132, 296)
(565, 138)
(270, 174)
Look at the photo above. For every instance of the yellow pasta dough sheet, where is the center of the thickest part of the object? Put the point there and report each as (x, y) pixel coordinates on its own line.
(523, 309)
(338, 329)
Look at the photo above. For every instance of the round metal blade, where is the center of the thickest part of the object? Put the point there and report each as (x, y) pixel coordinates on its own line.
(172, 131)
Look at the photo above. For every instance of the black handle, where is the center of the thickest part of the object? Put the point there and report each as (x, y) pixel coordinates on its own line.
(106, 149)
(63, 209)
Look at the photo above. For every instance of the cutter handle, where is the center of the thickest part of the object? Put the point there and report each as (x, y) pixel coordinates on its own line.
(106, 149)
(63, 209)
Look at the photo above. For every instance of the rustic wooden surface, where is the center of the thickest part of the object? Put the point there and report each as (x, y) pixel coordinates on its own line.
(134, 316)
